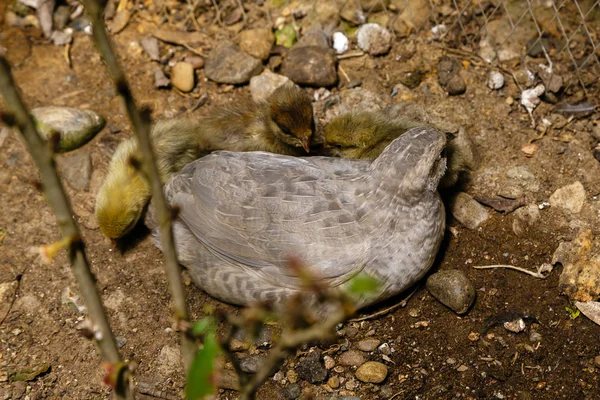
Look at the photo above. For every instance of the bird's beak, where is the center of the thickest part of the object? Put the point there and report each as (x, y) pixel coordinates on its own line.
(305, 143)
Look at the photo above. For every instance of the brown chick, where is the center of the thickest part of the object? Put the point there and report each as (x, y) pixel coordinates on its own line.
(363, 135)
(282, 124)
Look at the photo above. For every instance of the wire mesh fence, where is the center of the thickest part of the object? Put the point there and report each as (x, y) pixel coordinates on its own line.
(561, 34)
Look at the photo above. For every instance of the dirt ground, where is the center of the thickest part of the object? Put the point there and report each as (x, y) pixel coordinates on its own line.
(432, 360)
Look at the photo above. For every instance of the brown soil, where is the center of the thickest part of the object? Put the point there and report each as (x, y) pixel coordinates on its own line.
(437, 361)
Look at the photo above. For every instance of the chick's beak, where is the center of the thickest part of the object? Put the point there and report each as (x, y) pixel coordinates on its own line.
(305, 143)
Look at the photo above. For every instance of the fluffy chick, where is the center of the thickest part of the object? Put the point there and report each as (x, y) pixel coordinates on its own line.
(125, 192)
(283, 124)
(363, 135)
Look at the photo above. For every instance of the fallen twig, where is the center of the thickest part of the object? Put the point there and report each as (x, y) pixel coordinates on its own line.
(380, 313)
(41, 152)
(141, 127)
(542, 272)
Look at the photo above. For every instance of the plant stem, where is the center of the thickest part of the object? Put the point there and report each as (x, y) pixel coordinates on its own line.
(141, 127)
(43, 157)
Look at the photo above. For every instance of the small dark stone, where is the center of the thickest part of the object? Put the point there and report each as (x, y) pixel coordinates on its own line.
(449, 76)
(76, 168)
(227, 63)
(292, 391)
(311, 368)
(453, 289)
(311, 65)
(252, 363)
(412, 79)
(113, 129)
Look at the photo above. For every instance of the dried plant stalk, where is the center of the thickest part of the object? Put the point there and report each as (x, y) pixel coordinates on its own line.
(43, 156)
(141, 127)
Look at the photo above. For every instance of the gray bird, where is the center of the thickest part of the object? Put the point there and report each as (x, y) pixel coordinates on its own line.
(243, 216)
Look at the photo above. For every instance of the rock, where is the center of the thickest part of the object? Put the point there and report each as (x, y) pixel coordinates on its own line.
(150, 46)
(530, 98)
(374, 5)
(340, 42)
(453, 289)
(182, 76)
(60, 38)
(263, 85)
(525, 217)
(310, 65)
(292, 376)
(352, 358)
(596, 361)
(76, 169)
(227, 379)
(580, 278)
(329, 362)
(495, 80)
(61, 17)
(257, 42)
(351, 12)
(196, 61)
(415, 14)
(570, 198)
(75, 127)
(315, 36)
(227, 63)
(385, 349)
(374, 39)
(160, 80)
(368, 344)
(334, 382)
(449, 76)
(372, 372)
(252, 363)
(311, 368)
(467, 211)
(292, 391)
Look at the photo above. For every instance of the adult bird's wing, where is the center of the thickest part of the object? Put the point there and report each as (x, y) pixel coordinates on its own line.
(260, 209)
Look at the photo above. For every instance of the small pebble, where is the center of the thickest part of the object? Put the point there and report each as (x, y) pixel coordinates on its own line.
(372, 372)
(329, 362)
(451, 361)
(468, 211)
(340, 42)
(515, 326)
(374, 39)
(311, 368)
(495, 80)
(292, 376)
(473, 336)
(351, 384)
(535, 336)
(352, 358)
(462, 368)
(385, 349)
(597, 361)
(150, 46)
(570, 198)
(182, 76)
(252, 363)
(292, 392)
(453, 289)
(334, 382)
(368, 344)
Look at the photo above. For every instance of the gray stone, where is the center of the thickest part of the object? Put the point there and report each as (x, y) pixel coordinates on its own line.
(252, 363)
(525, 217)
(160, 80)
(315, 36)
(261, 86)
(372, 372)
(257, 42)
(182, 76)
(368, 344)
(570, 198)
(374, 39)
(150, 46)
(453, 289)
(352, 358)
(292, 391)
(467, 211)
(311, 368)
(311, 65)
(449, 76)
(227, 63)
(76, 169)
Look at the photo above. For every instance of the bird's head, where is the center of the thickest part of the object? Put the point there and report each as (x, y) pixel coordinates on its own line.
(291, 110)
(418, 156)
(123, 194)
(352, 135)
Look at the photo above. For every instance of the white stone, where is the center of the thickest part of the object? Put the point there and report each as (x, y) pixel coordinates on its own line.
(340, 42)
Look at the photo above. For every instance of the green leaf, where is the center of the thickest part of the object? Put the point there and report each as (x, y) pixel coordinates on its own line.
(286, 36)
(573, 313)
(363, 284)
(200, 380)
(202, 326)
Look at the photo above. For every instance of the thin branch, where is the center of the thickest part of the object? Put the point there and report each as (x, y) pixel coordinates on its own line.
(141, 127)
(43, 157)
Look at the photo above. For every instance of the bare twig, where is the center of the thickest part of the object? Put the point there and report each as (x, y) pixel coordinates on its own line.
(542, 272)
(141, 127)
(379, 313)
(43, 157)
